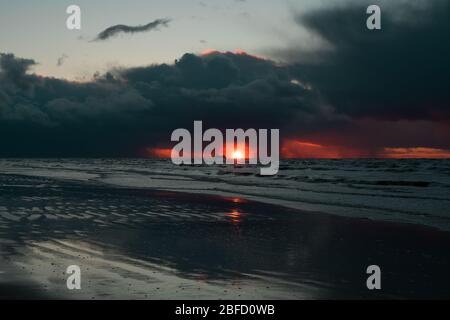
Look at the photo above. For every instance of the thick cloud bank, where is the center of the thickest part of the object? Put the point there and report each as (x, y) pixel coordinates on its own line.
(129, 109)
(399, 72)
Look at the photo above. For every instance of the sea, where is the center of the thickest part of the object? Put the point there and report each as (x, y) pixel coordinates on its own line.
(415, 191)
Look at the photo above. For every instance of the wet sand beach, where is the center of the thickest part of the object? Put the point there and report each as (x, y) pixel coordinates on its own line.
(146, 244)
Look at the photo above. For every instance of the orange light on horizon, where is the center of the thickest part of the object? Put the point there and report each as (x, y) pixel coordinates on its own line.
(416, 153)
(161, 153)
(302, 149)
(292, 149)
(237, 152)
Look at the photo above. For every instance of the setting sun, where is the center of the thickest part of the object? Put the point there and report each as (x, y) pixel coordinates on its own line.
(238, 155)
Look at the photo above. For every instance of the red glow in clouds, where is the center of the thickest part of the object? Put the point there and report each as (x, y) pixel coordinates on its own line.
(162, 153)
(418, 152)
(239, 52)
(302, 149)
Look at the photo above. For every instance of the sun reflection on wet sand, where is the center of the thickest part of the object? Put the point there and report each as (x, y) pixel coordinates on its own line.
(234, 216)
(238, 200)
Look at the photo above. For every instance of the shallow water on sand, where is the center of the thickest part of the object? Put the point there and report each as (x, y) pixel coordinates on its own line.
(142, 244)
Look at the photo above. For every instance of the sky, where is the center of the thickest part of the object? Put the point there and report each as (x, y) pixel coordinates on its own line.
(40, 31)
(309, 68)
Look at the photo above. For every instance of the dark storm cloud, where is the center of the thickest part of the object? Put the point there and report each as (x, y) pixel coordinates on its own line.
(120, 28)
(125, 110)
(399, 72)
(12, 70)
